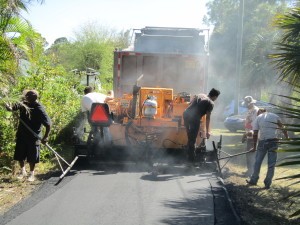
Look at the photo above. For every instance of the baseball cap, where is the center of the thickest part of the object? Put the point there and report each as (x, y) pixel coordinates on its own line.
(249, 99)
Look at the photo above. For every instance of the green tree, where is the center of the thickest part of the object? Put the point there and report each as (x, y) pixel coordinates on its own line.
(92, 47)
(258, 71)
(286, 58)
(57, 88)
(258, 35)
(15, 35)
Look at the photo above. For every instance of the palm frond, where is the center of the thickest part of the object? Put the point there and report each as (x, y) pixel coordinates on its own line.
(284, 142)
(293, 194)
(290, 97)
(286, 60)
(289, 150)
(289, 142)
(290, 157)
(290, 23)
(297, 213)
(290, 177)
(290, 163)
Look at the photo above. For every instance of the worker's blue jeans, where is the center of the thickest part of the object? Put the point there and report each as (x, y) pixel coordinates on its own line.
(265, 146)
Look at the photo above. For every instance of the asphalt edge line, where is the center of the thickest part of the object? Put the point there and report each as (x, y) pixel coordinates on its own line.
(214, 197)
(229, 200)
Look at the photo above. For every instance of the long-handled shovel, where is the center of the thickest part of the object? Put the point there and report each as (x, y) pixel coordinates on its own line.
(218, 151)
(58, 157)
(231, 156)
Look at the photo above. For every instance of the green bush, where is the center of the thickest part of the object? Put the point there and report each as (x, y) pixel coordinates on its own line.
(59, 93)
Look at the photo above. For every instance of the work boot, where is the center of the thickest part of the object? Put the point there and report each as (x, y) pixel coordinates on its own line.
(267, 185)
(191, 154)
(251, 183)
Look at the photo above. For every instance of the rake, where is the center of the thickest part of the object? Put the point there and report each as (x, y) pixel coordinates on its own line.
(58, 157)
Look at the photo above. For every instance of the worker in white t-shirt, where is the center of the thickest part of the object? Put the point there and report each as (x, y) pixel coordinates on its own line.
(267, 124)
(91, 97)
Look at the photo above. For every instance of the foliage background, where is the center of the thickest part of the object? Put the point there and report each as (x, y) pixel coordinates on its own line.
(50, 70)
(258, 78)
(26, 63)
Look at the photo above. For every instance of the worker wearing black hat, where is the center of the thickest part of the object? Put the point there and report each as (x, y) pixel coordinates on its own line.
(201, 105)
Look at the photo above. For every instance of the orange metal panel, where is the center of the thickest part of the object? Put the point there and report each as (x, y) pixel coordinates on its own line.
(163, 97)
(146, 122)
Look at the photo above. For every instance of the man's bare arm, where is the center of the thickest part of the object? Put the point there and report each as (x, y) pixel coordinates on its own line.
(208, 125)
(284, 131)
(255, 135)
(46, 135)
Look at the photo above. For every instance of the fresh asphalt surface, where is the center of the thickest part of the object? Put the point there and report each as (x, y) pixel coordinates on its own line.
(127, 194)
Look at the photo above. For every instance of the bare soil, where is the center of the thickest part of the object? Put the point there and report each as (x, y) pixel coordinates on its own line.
(255, 205)
(13, 190)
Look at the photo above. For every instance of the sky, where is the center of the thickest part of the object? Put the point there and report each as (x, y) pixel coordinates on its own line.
(60, 18)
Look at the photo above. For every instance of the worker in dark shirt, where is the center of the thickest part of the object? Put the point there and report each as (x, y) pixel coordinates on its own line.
(33, 115)
(200, 105)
